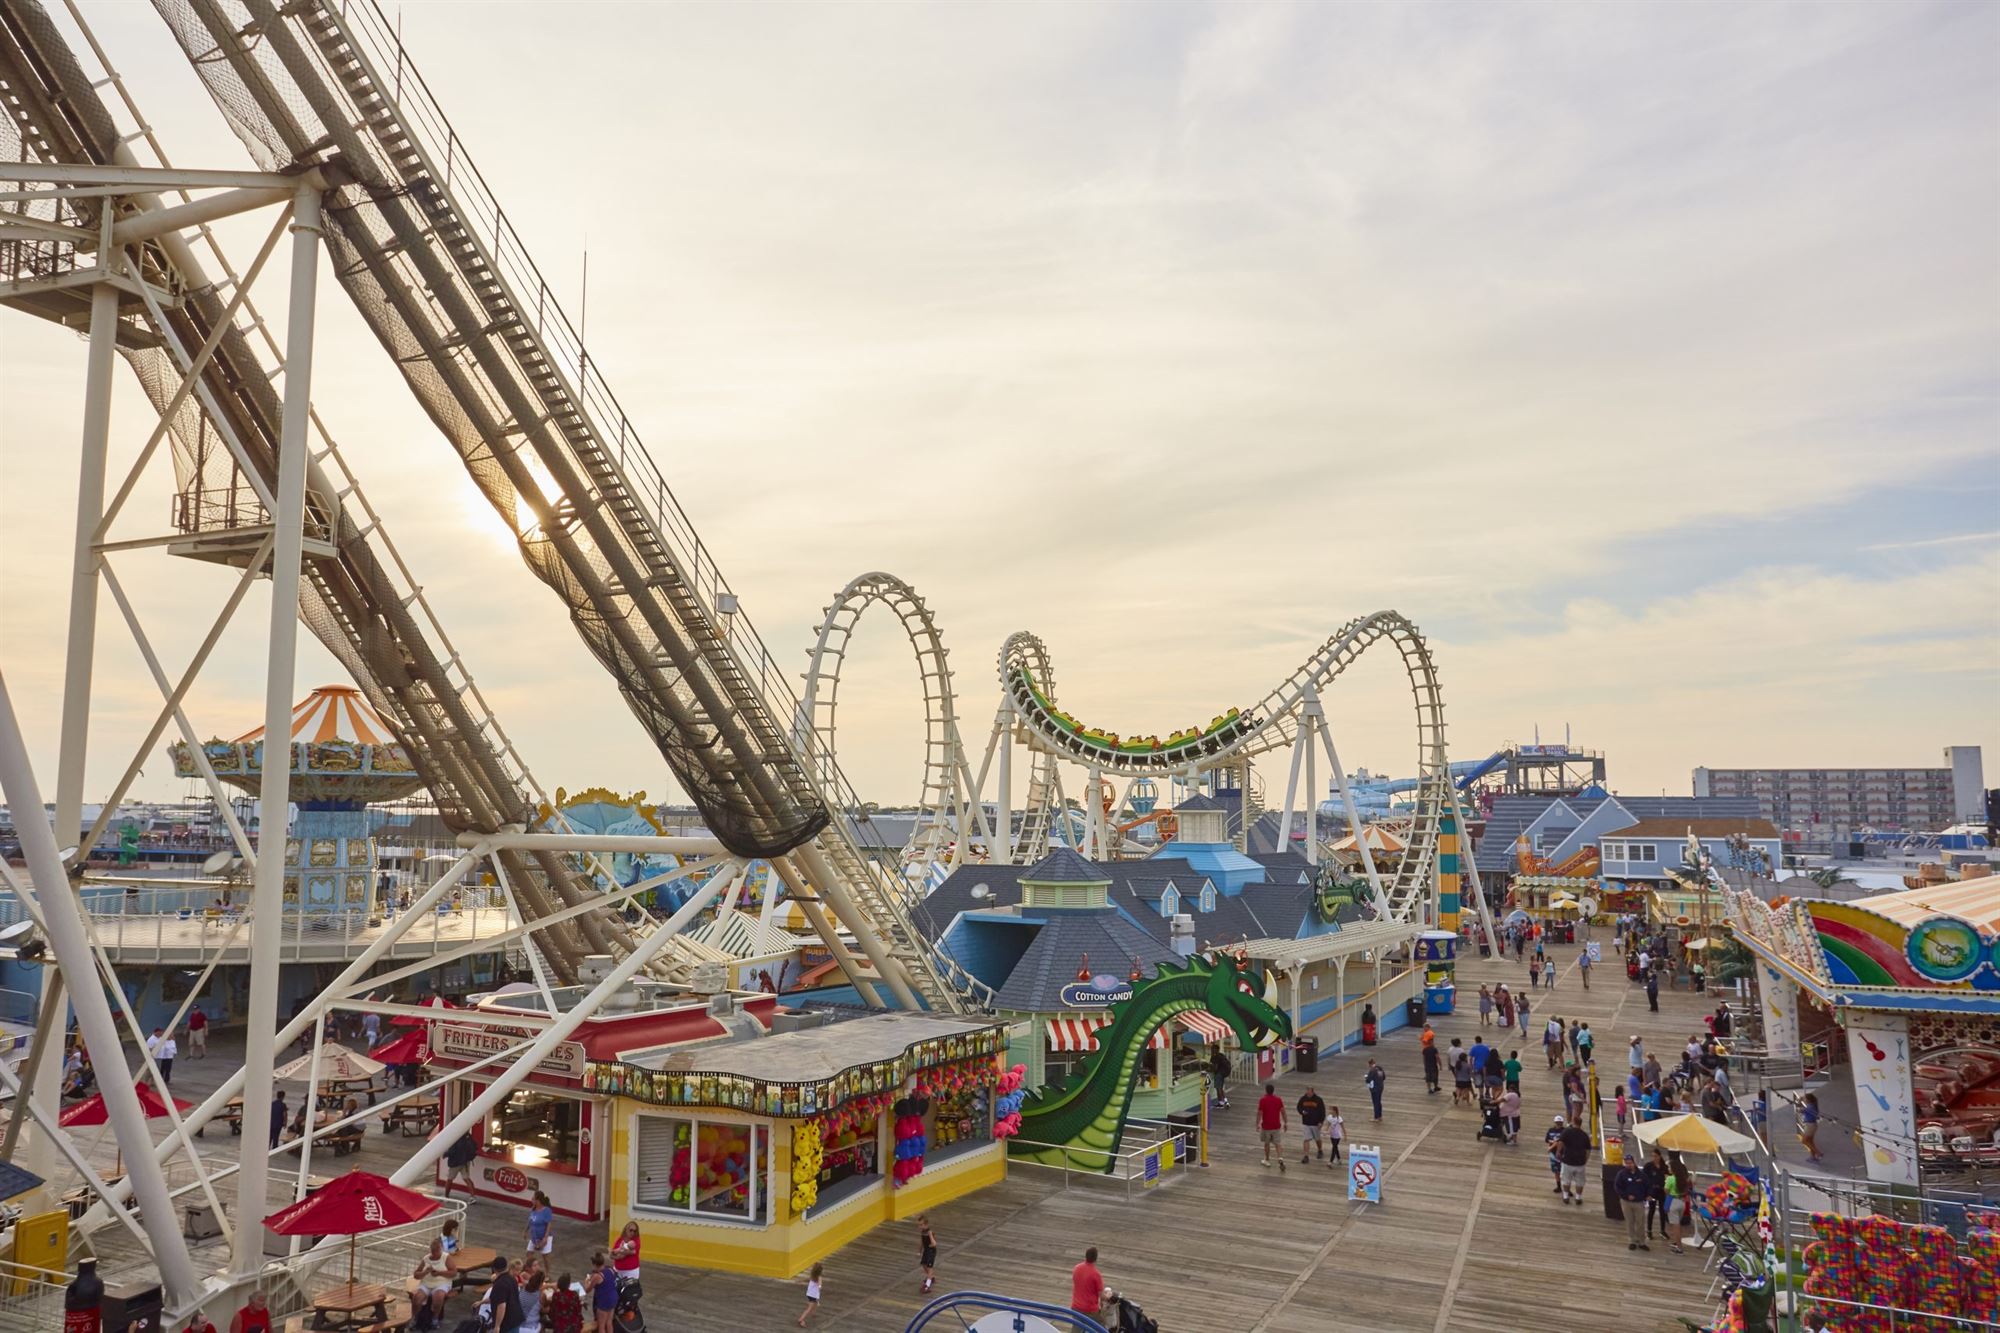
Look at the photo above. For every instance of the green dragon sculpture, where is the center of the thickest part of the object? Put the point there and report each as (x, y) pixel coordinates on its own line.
(1080, 1123)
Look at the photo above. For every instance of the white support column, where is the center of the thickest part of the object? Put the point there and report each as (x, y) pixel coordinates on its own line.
(274, 796)
(62, 916)
(1312, 800)
(1003, 852)
(1353, 816)
(1300, 745)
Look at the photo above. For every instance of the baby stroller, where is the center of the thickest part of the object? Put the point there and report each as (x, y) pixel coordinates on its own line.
(1490, 1126)
(1126, 1317)
(628, 1318)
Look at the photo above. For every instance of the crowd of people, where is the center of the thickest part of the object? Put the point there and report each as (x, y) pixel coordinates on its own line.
(528, 1294)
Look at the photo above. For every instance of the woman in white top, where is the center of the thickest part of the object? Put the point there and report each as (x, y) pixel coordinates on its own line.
(434, 1276)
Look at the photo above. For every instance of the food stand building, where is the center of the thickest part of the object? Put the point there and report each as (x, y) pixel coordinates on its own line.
(738, 1133)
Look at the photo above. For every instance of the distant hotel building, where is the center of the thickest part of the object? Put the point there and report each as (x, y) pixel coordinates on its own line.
(1913, 800)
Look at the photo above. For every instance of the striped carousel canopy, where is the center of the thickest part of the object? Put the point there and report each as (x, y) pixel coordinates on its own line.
(334, 712)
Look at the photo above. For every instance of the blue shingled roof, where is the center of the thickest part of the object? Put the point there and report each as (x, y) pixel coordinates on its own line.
(1063, 866)
(1051, 962)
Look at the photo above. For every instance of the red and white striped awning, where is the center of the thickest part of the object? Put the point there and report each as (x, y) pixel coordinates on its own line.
(1080, 1034)
(334, 712)
(1205, 1025)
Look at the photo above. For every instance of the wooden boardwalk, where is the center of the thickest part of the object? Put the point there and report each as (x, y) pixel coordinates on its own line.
(1469, 1235)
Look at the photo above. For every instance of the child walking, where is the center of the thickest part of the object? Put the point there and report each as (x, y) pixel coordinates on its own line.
(812, 1292)
(927, 1242)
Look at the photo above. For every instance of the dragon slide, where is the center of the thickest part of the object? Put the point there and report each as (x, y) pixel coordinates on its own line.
(1079, 1124)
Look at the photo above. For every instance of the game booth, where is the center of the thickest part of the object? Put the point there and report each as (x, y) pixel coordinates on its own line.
(766, 1154)
(552, 1133)
(1913, 979)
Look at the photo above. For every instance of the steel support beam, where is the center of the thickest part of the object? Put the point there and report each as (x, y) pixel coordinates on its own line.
(71, 942)
(267, 900)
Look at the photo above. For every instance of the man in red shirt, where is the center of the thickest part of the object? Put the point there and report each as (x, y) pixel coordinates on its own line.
(197, 1026)
(1271, 1122)
(1086, 1286)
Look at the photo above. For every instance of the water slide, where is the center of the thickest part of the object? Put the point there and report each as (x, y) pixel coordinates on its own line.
(1476, 771)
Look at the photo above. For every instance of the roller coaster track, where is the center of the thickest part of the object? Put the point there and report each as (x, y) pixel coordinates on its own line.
(423, 249)
(1027, 683)
(362, 603)
(947, 782)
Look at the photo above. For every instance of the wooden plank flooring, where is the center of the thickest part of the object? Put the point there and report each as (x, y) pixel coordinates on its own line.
(1469, 1236)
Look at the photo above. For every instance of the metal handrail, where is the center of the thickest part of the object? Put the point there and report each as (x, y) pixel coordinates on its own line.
(960, 1303)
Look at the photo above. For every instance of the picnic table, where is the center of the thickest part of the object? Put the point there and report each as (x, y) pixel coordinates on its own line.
(473, 1263)
(336, 1090)
(414, 1115)
(350, 1303)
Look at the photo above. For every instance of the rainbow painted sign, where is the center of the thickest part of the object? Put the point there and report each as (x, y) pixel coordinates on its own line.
(1865, 949)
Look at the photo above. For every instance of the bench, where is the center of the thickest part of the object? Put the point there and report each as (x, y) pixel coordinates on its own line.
(345, 1141)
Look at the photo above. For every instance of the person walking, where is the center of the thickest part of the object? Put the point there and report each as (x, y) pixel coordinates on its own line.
(458, 1163)
(1652, 989)
(1494, 1074)
(1485, 1006)
(1583, 966)
(1632, 1189)
(1635, 1055)
(815, 1287)
(1480, 1050)
(1573, 1145)
(371, 1028)
(1510, 1114)
(1511, 1071)
(1553, 1040)
(197, 1034)
(541, 1230)
(1336, 1126)
(1534, 972)
(1808, 1126)
(926, 1252)
(1086, 1286)
(1271, 1124)
(1586, 1042)
(1650, 1075)
(1312, 1123)
(1432, 1068)
(1521, 1013)
(1373, 1080)
(1461, 1075)
(277, 1116)
(163, 1056)
(1553, 1141)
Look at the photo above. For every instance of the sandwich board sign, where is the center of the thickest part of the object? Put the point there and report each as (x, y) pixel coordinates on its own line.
(1364, 1173)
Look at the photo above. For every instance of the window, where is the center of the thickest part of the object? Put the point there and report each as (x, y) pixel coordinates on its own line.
(1207, 897)
(1170, 902)
(850, 1164)
(536, 1129)
(711, 1168)
(958, 1122)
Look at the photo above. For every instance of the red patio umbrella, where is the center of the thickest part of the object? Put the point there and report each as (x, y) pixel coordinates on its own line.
(92, 1110)
(405, 1048)
(349, 1205)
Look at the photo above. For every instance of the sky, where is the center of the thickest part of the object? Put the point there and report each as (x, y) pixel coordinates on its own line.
(1647, 356)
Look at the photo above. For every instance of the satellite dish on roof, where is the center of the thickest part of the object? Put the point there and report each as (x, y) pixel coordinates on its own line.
(15, 931)
(217, 861)
(981, 892)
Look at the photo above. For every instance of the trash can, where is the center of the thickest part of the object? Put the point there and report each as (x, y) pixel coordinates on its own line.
(128, 1302)
(1413, 1011)
(1306, 1051)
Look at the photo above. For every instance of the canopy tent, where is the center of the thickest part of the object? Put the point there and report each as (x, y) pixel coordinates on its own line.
(1379, 840)
(1694, 1133)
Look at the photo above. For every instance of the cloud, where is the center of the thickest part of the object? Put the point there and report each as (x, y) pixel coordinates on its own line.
(1181, 333)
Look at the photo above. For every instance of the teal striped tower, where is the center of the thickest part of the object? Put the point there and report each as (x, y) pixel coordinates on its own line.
(1447, 905)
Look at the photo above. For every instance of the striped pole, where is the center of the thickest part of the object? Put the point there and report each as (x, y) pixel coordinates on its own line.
(1447, 904)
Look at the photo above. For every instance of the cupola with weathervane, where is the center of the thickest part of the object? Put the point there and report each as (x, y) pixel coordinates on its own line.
(1062, 879)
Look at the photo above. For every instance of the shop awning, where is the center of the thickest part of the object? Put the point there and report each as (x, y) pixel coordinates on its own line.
(1080, 1034)
(1205, 1025)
